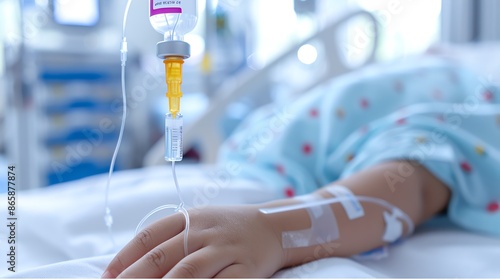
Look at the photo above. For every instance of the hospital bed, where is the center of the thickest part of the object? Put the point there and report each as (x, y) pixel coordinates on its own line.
(61, 231)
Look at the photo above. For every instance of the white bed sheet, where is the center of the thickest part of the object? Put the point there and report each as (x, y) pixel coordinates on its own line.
(61, 232)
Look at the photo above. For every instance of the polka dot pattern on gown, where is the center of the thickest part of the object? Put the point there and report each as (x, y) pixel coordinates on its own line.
(332, 134)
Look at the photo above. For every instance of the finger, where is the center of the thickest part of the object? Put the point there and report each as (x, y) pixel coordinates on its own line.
(204, 263)
(235, 271)
(157, 262)
(145, 241)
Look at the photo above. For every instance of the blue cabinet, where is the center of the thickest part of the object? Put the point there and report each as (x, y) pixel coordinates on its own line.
(78, 109)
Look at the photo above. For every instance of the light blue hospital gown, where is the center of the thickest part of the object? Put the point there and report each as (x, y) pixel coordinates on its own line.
(431, 111)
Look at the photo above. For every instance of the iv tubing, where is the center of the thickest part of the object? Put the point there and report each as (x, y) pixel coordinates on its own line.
(181, 209)
(177, 185)
(108, 218)
(177, 208)
(381, 202)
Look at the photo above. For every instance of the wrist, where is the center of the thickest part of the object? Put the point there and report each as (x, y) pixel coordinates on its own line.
(291, 221)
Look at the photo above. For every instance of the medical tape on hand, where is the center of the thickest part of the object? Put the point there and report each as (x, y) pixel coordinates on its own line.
(323, 229)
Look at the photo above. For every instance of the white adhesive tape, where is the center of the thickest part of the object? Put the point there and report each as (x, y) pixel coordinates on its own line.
(351, 205)
(393, 226)
(324, 228)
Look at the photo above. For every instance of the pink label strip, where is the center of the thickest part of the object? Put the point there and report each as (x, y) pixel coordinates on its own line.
(172, 10)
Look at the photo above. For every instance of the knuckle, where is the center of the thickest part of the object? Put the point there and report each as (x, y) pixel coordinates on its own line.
(188, 270)
(144, 238)
(117, 265)
(120, 263)
(157, 258)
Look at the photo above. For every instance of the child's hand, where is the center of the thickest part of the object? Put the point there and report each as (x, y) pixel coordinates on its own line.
(223, 242)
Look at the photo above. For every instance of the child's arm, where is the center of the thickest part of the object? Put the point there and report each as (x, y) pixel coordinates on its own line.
(240, 241)
(419, 194)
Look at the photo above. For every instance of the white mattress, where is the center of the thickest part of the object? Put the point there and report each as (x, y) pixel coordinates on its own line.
(61, 231)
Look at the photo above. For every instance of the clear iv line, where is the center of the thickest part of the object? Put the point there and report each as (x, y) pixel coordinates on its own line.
(177, 185)
(177, 208)
(108, 218)
(182, 210)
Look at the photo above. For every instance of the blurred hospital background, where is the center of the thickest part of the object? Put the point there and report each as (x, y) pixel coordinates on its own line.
(60, 95)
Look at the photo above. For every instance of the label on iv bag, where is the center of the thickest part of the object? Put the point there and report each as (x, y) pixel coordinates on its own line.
(171, 6)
